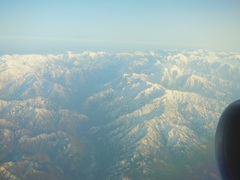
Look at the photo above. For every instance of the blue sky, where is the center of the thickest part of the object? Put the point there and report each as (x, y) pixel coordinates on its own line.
(47, 26)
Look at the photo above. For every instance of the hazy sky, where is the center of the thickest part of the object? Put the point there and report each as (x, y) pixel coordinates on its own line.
(44, 26)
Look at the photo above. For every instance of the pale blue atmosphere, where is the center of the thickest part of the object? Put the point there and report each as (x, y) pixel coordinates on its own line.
(59, 25)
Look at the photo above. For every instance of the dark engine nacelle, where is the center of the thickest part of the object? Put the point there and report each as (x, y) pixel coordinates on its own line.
(227, 142)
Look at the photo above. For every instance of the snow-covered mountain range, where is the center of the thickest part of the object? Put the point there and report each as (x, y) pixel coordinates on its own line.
(97, 115)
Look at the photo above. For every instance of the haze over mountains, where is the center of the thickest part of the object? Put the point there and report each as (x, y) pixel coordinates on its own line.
(97, 115)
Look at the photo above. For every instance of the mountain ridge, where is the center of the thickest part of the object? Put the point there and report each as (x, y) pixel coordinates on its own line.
(103, 115)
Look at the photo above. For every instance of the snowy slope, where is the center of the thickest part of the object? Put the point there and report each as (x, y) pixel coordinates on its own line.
(142, 115)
